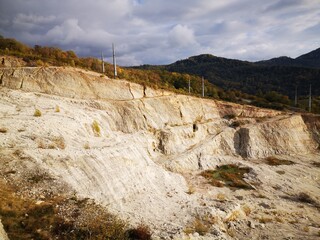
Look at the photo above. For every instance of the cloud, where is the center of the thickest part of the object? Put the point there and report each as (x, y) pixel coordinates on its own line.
(69, 31)
(33, 19)
(181, 36)
(158, 32)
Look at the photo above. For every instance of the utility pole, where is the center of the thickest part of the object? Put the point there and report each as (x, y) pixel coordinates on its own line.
(202, 87)
(310, 99)
(296, 96)
(114, 61)
(189, 85)
(102, 62)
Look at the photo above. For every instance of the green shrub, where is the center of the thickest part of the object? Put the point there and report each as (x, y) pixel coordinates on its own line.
(229, 175)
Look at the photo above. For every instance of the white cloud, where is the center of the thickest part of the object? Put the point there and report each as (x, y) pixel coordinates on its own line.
(35, 19)
(65, 33)
(128, 60)
(162, 31)
(28, 22)
(181, 36)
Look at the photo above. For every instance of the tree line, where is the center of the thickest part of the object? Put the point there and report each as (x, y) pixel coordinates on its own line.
(243, 91)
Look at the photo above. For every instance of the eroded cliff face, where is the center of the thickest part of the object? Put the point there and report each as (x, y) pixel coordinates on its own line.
(3, 234)
(148, 141)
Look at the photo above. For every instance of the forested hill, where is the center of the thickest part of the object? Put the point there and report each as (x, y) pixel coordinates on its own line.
(280, 75)
(308, 60)
(248, 77)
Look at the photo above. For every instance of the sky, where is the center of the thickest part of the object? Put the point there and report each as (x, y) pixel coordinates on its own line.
(164, 31)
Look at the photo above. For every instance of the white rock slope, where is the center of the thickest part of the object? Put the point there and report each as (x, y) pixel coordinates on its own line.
(148, 138)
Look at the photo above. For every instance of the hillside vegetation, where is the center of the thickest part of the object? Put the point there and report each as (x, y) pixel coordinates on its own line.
(230, 80)
(272, 82)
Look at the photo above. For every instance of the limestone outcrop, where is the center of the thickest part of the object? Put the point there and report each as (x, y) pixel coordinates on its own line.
(146, 143)
(3, 234)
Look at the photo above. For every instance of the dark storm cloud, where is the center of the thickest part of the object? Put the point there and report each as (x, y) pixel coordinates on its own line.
(160, 31)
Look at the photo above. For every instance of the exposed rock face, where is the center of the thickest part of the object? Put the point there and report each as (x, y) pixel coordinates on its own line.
(3, 234)
(143, 134)
(286, 135)
(69, 82)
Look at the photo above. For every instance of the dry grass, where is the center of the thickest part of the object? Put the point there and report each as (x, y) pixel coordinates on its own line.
(273, 161)
(54, 143)
(221, 197)
(37, 113)
(233, 216)
(246, 209)
(25, 219)
(209, 219)
(306, 229)
(213, 182)
(39, 176)
(3, 130)
(230, 175)
(231, 232)
(21, 217)
(42, 144)
(198, 226)
(265, 220)
(294, 221)
(278, 219)
(86, 145)
(57, 109)
(191, 189)
(259, 195)
(59, 142)
(281, 172)
(96, 128)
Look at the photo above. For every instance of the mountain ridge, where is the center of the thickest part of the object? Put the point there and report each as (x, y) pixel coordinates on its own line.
(211, 67)
(308, 60)
(281, 75)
